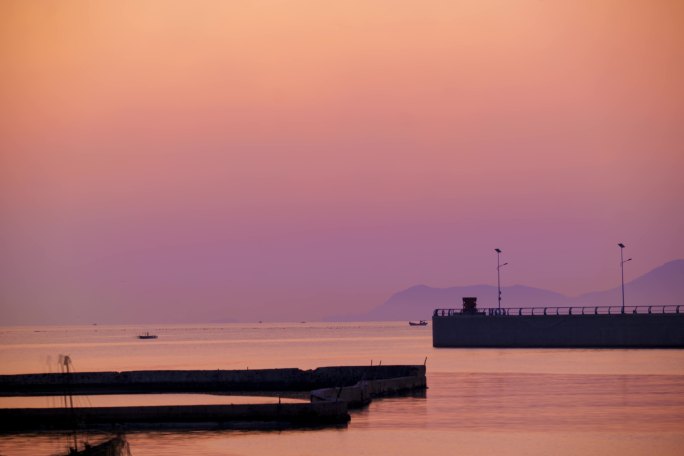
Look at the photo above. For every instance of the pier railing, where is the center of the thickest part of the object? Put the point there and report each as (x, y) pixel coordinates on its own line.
(566, 310)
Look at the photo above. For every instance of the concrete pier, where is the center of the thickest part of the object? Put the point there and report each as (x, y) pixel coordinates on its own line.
(221, 416)
(331, 390)
(509, 330)
(363, 392)
(186, 381)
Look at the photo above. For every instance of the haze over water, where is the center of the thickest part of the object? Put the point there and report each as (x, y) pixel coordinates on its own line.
(566, 402)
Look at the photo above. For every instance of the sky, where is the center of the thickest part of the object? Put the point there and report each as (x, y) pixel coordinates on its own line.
(177, 161)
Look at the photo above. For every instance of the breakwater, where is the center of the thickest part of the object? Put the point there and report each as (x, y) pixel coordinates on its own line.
(220, 416)
(364, 391)
(332, 390)
(213, 381)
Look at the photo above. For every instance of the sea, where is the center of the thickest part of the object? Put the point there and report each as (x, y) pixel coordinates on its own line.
(478, 401)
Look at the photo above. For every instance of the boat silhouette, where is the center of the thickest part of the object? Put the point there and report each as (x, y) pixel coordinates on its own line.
(112, 446)
(419, 323)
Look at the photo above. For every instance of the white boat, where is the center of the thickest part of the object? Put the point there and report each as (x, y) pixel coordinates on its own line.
(419, 323)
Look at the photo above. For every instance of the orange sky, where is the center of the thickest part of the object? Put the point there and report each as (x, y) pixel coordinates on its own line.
(295, 157)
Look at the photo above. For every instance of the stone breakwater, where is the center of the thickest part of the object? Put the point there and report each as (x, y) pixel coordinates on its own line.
(247, 416)
(182, 381)
(364, 391)
(332, 391)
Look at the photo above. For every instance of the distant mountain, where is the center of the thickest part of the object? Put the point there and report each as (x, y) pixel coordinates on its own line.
(418, 302)
(662, 286)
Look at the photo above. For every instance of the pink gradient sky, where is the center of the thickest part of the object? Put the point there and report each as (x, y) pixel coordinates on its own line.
(289, 160)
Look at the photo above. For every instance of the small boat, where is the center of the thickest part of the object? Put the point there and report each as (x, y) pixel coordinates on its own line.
(116, 446)
(147, 335)
(420, 323)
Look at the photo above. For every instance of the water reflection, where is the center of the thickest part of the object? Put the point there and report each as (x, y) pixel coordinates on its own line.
(482, 401)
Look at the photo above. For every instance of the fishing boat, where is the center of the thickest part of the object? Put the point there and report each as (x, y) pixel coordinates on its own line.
(112, 446)
(116, 446)
(147, 335)
(418, 323)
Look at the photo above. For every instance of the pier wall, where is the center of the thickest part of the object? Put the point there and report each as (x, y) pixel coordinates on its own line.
(238, 415)
(364, 391)
(259, 380)
(559, 331)
(334, 390)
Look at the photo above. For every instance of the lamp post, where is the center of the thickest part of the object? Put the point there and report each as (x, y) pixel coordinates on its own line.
(498, 273)
(622, 273)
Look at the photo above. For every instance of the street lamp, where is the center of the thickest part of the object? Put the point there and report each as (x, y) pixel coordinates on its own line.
(622, 273)
(498, 272)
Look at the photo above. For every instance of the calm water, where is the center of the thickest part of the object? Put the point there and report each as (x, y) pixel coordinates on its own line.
(518, 402)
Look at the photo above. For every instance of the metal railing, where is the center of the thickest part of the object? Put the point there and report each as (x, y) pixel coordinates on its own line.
(567, 310)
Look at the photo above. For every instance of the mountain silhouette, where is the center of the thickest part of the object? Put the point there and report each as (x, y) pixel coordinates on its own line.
(663, 285)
